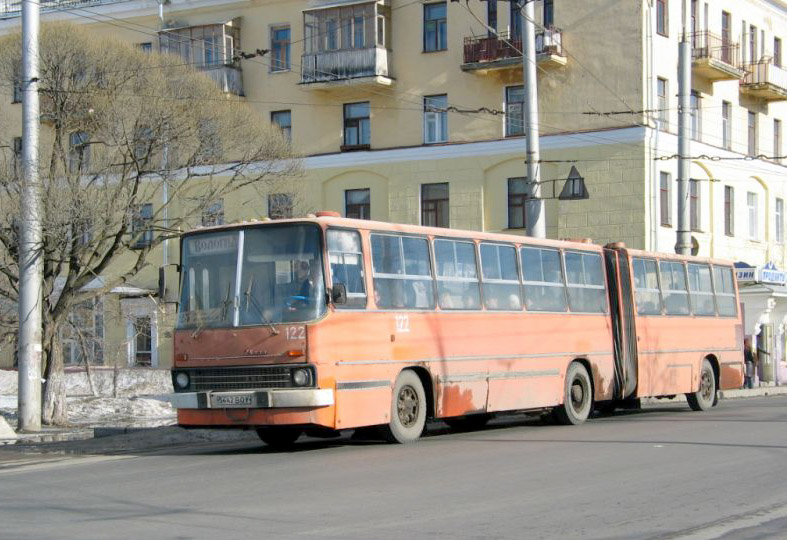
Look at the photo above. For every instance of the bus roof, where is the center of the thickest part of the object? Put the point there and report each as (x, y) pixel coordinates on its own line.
(384, 226)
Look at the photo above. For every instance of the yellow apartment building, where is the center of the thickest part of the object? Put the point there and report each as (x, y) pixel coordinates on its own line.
(412, 111)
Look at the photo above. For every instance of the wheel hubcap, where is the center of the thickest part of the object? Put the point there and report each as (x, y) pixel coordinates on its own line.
(706, 386)
(577, 395)
(407, 406)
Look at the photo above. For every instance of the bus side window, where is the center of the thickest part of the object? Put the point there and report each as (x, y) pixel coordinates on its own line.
(585, 281)
(346, 258)
(500, 277)
(402, 272)
(701, 289)
(543, 282)
(646, 287)
(725, 291)
(457, 277)
(673, 288)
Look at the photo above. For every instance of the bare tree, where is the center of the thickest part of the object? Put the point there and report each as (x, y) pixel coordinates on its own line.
(118, 125)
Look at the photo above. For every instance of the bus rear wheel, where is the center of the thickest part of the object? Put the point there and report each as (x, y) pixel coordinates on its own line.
(279, 437)
(408, 409)
(704, 398)
(577, 398)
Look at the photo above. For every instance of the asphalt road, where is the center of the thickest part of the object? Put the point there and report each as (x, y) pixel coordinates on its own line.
(661, 473)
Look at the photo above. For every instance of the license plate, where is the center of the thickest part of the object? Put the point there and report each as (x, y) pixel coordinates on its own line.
(232, 400)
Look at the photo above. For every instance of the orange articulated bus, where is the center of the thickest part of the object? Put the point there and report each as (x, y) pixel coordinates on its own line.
(322, 324)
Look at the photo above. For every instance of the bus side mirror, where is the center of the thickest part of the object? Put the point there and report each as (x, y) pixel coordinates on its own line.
(168, 283)
(339, 294)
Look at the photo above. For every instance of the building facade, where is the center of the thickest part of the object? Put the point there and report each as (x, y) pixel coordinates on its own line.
(412, 111)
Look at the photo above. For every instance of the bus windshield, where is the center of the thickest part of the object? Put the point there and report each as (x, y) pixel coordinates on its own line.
(281, 277)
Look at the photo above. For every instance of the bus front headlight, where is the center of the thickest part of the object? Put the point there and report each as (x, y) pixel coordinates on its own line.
(301, 377)
(182, 380)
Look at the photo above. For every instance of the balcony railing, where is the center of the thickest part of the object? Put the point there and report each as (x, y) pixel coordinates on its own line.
(483, 50)
(344, 64)
(13, 8)
(715, 57)
(765, 80)
(229, 78)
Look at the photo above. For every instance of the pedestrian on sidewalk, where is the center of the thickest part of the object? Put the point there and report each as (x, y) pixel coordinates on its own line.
(749, 362)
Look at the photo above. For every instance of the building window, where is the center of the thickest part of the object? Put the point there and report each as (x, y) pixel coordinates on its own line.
(662, 26)
(280, 206)
(146, 47)
(729, 211)
(752, 131)
(515, 110)
(662, 102)
(357, 126)
(213, 214)
(280, 48)
(665, 198)
(694, 204)
(434, 205)
(777, 141)
(203, 46)
(357, 203)
(515, 16)
(435, 27)
(549, 13)
(752, 44)
(779, 215)
(78, 151)
(517, 198)
(143, 342)
(435, 119)
(726, 37)
(491, 17)
(141, 225)
(751, 202)
(696, 118)
(82, 337)
(283, 119)
(726, 124)
(777, 52)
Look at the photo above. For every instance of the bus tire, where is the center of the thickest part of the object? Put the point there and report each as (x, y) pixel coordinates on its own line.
(408, 409)
(704, 398)
(279, 437)
(468, 423)
(577, 396)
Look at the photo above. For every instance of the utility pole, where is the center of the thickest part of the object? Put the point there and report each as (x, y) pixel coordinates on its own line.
(535, 215)
(30, 348)
(683, 244)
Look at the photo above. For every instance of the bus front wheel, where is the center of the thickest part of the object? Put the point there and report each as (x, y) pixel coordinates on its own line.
(408, 409)
(577, 398)
(279, 437)
(704, 398)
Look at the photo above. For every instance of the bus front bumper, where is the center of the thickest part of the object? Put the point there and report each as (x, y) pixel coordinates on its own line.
(254, 399)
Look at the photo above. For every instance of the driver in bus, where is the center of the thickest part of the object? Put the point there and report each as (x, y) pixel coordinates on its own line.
(303, 286)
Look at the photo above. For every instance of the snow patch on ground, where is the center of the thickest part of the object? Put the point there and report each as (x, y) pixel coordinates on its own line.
(106, 382)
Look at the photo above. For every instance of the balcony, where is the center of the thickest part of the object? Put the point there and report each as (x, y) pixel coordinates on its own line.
(354, 67)
(765, 80)
(13, 8)
(228, 78)
(483, 54)
(715, 58)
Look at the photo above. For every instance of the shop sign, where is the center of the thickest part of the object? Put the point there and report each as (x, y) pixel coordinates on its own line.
(745, 273)
(770, 274)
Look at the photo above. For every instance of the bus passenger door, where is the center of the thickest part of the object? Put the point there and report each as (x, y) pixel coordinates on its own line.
(624, 331)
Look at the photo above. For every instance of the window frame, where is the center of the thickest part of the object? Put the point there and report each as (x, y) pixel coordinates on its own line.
(404, 276)
(662, 18)
(438, 210)
(141, 224)
(553, 284)
(365, 294)
(367, 205)
(695, 205)
(457, 279)
(494, 281)
(286, 130)
(726, 125)
(517, 201)
(751, 133)
(662, 99)
(361, 124)
(753, 215)
(778, 214)
(674, 291)
(440, 28)
(697, 295)
(570, 286)
(511, 116)
(729, 211)
(280, 47)
(658, 290)
(665, 198)
(436, 118)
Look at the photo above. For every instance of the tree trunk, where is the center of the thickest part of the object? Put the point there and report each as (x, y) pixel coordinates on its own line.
(55, 408)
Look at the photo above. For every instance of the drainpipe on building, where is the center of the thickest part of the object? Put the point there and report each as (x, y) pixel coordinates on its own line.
(683, 244)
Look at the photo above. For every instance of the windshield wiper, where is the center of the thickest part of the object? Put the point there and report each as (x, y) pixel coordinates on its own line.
(263, 318)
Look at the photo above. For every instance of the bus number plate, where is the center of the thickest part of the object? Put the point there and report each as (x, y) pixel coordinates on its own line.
(232, 400)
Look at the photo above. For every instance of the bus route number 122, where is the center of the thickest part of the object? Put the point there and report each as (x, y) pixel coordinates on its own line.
(402, 323)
